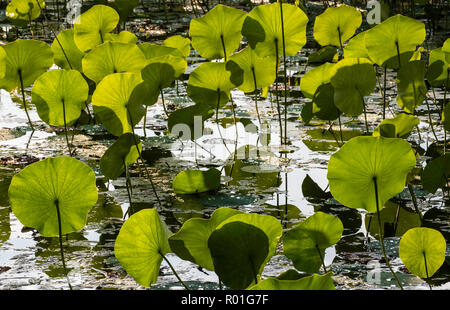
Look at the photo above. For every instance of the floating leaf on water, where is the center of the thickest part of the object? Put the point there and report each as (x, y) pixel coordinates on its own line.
(422, 250)
(40, 189)
(353, 170)
(196, 181)
(306, 243)
(139, 247)
(314, 282)
(336, 25)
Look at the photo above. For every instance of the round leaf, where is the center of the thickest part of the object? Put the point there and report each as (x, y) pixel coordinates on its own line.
(39, 189)
(336, 25)
(353, 170)
(122, 152)
(152, 50)
(92, 26)
(419, 245)
(394, 37)
(216, 31)
(400, 126)
(262, 28)
(411, 85)
(112, 57)
(119, 103)
(314, 78)
(314, 282)
(196, 181)
(180, 43)
(60, 96)
(436, 173)
(306, 243)
(28, 58)
(69, 51)
(139, 247)
(438, 68)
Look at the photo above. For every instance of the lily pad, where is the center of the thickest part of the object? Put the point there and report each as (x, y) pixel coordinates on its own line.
(141, 244)
(422, 250)
(306, 243)
(27, 59)
(365, 162)
(122, 152)
(336, 25)
(152, 50)
(118, 103)
(92, 26)
(55, 186)
(112, 57)
(191, 241)
(60, 96)
(262, 28)
(313, 282)
(188, 123)
(217, 34)
(196, 181)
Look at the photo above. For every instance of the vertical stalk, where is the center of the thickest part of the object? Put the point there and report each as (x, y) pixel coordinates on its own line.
(285, 73)
(380, 234)
(276, 91)
(163, 102)
(23, 99)
(426, 270)
(321, 258)
(256, 95)
(173, 270)
(128, 185)
(384, 93)
(65, 127)
(60, 242)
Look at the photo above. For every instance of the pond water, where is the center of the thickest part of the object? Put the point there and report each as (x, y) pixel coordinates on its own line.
(266, 178)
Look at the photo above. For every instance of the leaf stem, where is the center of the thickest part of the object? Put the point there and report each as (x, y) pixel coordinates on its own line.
(60, 242)
(23, 98)
(173, 270)
(426, 270)
(321, 258)
(380, 234)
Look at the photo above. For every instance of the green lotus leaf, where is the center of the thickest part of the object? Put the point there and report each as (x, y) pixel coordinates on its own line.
(336, 25)
(313, 282)
(141, 244)
(184, 122)
(310, 82)
(438, 68)
(325, 54)
(323, 103)
(120, 153)
(191, 241)
(395, 221)
(217, 31)
(43, 189)
(180, 43)
(412, 89)
(122, 37)
(364, 160)
(446, 49)
(270, 225)
(69, 51)
(26, 58)
(24, 10)
(436, 173)
(2, 63)
(392, 38)
(60, 96)
(123, 7)
(446, 117)
(352, 79)
(263, 30)
(400, 126)
(250, 71)
(152, 50)
(209, 84)
(422, 250)
(196, 181)
(306, 243)
(112, 57)
(356, 47)
(311, 189)
(119, 103)
(92, 26)
(238, 251)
